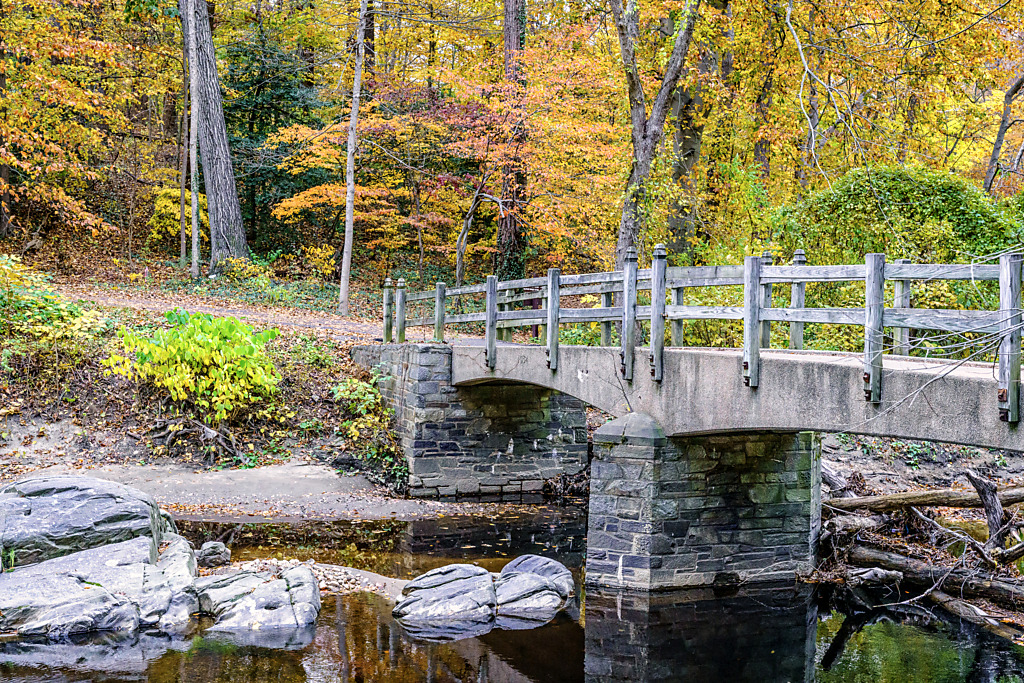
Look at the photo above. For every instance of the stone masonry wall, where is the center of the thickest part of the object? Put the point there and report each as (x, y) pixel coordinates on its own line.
(709, 510)
(483, 440)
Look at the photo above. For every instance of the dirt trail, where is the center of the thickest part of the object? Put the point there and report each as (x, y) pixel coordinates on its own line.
(335, 325)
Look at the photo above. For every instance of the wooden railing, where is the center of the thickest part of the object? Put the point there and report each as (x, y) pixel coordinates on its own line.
(618, 291)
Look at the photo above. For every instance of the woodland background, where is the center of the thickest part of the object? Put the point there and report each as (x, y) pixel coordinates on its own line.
(519, 135)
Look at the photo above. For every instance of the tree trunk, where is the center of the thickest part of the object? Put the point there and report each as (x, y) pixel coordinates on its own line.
(5, 170)
(227, 233)
(647, 128)
(193, 135)
(350, 165)
(183, 140)
(1004, 125)
(369, 41)
(940, 497)
(690, 111)
(511, 247)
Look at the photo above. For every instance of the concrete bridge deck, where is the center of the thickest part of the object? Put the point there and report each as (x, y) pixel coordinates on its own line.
(703, 392)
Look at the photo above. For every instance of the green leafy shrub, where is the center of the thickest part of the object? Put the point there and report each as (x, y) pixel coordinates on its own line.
(218, 365)
(370, 428)
(31, 307)
(917, 213)
(165, 223)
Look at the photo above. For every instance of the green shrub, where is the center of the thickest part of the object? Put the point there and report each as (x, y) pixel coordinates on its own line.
(217, 365)
(31, 307)
(370, 430)
(925, 215)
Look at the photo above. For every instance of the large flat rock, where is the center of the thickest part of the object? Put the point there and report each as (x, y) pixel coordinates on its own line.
(46, 517)
(111, 588)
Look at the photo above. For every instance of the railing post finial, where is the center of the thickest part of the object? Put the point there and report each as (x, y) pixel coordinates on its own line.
(659, 263)
(400, 311)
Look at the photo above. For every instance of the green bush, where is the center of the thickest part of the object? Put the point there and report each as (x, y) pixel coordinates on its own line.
(219, 366)
(370, 429)
(31, 307)
(917, 213)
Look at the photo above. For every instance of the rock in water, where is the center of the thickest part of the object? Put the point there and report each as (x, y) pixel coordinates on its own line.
(60, 606)
(555, 572)
(248, 601)
(530, 596)
(50, 516)
(213, 554)
(112, 588)
(457, 592)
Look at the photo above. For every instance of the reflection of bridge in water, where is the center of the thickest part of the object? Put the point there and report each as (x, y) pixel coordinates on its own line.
(757, 636)
(711, 474)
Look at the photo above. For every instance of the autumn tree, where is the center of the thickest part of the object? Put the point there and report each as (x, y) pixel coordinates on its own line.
(647, 128)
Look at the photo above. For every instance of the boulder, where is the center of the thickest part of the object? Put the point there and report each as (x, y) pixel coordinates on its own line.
(213, 554)
(56, 607)
(461, 592)
(249, 601)
(555, 572)
(45, 517)
(158, 594)
(529, 596)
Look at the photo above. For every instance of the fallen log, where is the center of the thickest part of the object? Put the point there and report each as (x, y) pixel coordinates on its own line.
(953, 498)
(970, 583)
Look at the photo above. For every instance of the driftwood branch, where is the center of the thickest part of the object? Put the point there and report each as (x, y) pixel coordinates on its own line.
(970, 541)
(939, 497)
(839, 486)
(993, 509)
(973, 614)
(970, 583)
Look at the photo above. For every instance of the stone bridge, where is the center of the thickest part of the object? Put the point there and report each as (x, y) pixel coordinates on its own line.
(709, 473)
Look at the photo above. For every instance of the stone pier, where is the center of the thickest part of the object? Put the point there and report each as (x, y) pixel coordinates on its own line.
(713, 510)
(485, 440)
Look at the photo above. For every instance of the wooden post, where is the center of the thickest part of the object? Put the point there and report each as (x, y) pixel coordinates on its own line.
(901, 299)
(439, 296)
(389, 294)
(796, 300)
(658, 265)
(400, 312)
(752, 321)
(678, 297)
(1010, 337)
(491, 322)
(874, 304)
(628, 334)
(607, 301)
(766, 302)
(542, 333)
(501, 330)
(554, 306)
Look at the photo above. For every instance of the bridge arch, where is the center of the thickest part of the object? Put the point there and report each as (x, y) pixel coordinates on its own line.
(703, 392)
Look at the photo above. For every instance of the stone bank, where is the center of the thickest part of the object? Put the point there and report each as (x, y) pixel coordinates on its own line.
(492, 439)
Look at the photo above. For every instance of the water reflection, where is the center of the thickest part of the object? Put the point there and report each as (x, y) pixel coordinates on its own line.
(765, 635)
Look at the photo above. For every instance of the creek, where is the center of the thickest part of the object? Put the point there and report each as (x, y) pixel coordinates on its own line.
(770, 634)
